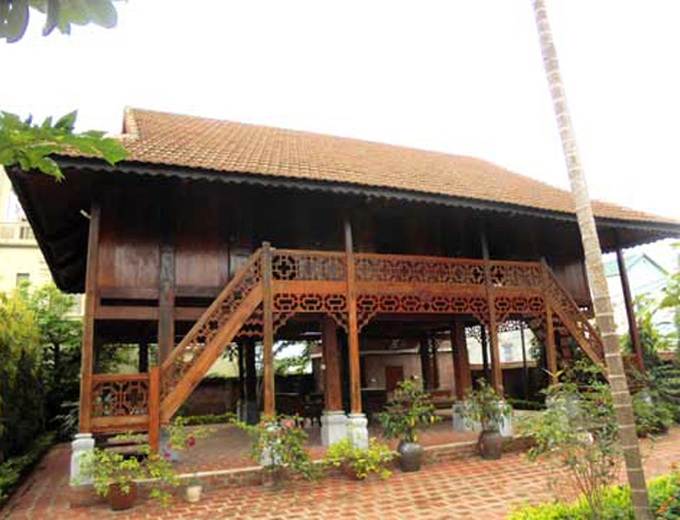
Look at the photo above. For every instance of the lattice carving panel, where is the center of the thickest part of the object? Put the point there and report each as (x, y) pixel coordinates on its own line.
(506, 306)
(368, 305)
(193, 345)
(119, 398)
(317, 266)
(513, 275)
(385, 268)
(335, 305)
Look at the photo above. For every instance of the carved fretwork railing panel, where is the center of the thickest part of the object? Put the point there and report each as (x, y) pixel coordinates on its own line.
(520, 275)
(308, 265)
(573, 318)
(115, 395)
(418, 269)
(186, 354)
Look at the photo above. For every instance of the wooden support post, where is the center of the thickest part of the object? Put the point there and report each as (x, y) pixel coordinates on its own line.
(550, 350)
(630, 311)
(496, 370)
(461, 361)
(485, 352)
(331, 361)
(353, 333)
(425, 363)
(166, 284)
(91, 304)
(241, 373)
(143, 361)
(434, 359)
(250, 371)
(154, 408)
(525, 367)
(268, 339)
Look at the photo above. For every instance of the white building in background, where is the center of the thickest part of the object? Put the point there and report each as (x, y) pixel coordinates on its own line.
(647, 279)
(20, 256)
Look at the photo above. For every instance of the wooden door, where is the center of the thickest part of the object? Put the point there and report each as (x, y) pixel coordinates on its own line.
(393, 376)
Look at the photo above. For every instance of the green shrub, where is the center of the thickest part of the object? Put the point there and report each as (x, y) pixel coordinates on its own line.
(361, 461)
(664, 494)
(651, 415)
(13, 469)
(194, 420)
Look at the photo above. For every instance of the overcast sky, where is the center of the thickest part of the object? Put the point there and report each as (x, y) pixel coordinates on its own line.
(459, 76)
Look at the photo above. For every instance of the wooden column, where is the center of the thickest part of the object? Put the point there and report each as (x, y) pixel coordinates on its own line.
(525, 367)
(485, 352)
(425, 363)
(331, 360)
(461, 361)
(91, 304)
(434, 360)
(166, 283)
(496, 370)
(154, 408)
(143, 361)
(268, 339)
(630, 311)
(250, 373)
(241, 373)
(550, 350)
(353, 333)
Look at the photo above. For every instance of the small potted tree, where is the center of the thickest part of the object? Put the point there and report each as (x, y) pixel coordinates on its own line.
(486, 410)
(115, 476)
(409, 409)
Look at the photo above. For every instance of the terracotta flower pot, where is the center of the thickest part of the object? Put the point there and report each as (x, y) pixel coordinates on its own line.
(490, 445)
(411, 456)
(120, 500)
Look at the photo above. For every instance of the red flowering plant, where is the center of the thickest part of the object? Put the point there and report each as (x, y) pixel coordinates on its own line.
(182, 438)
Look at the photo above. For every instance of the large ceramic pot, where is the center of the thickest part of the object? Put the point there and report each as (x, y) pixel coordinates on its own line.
(119, 499)
(410, 456)
(490, 444)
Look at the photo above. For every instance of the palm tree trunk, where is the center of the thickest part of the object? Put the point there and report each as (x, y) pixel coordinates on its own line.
(598, 286)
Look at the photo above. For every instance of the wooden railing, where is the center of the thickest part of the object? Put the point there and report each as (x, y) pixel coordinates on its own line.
(189, 350)
(573, 318)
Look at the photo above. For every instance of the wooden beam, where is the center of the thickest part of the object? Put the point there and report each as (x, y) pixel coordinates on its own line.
(166, 283)
(332, 383)
(268, 331)
(485, 352)
(434, 359)
(630, 310)
(154, 408)
(353, 333)
(461, 360)
(241, 373)
(91, 300)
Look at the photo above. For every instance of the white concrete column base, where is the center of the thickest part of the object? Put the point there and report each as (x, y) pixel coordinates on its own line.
(461, 424)
(357, 429)
(82, 445)
(333, 427)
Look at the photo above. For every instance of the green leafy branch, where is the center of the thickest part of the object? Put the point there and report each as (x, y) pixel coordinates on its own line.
(31, 145)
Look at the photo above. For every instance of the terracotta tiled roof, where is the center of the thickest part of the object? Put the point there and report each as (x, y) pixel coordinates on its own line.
(223, 146)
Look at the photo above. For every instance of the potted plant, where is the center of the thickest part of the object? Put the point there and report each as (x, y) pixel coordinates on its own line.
(115, 475)
(485, 409)
(183, 438)
(409, 409)
(279, 446)
(359, 463)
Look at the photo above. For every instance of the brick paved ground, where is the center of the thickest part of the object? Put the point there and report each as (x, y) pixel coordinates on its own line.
(469, 488)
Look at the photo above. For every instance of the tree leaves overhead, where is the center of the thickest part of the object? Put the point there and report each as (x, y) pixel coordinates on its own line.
(31, 146)
(61, 14)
